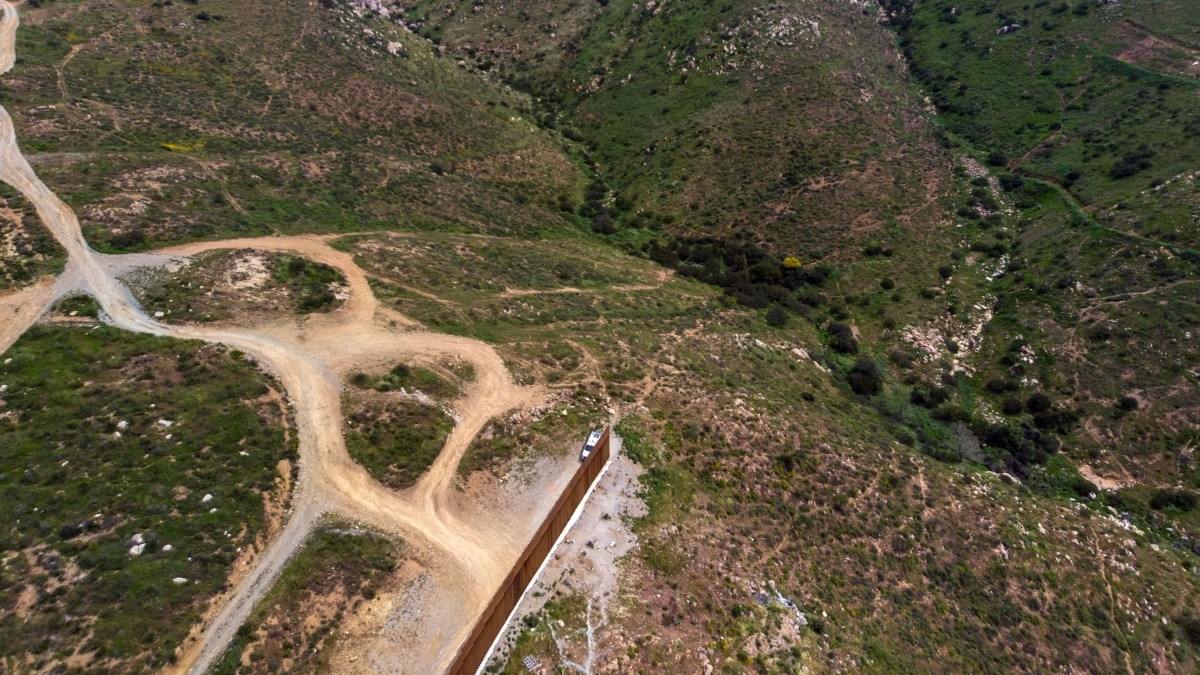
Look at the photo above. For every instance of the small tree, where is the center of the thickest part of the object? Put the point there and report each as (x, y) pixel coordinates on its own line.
(1038, 402)
(841, 338)
(865, 377)
(965, 442)
(777, 316)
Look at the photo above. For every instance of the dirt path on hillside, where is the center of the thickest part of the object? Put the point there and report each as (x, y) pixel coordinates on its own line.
(20, 309)
(469, 551)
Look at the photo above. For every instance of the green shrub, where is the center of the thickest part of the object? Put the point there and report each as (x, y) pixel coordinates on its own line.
(777, 316)
(1175, 500)
(841, 338)
(865, 377)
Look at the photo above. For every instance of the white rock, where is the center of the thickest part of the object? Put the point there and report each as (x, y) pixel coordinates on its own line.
(158, 315)
(138, 538)
(137, 549)
(206, 499)
(178, 581)
(212, 511)
(122, 425)
(167, 548)
(166, 423)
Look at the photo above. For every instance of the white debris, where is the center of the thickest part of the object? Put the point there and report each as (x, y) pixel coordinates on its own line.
(243, 453)
(122, 425)
(166, 423)
(137, 549)
(158, 315)
(179, 581)
(206, 499)
(138, 538)
(167, 548)
(212, 511)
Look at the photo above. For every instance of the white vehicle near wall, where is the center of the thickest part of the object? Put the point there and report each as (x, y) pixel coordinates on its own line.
(592, 440)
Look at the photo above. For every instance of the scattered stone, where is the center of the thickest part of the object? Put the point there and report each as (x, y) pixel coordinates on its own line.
(179, 581)
(206, 499)
(167, 548)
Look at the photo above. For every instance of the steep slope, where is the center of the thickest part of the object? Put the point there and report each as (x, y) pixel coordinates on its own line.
(789, 125)
(171, 121)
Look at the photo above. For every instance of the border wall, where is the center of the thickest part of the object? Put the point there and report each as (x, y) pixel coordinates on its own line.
(492, 621)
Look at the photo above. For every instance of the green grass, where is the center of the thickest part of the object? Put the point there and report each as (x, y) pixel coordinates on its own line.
(78, 305)
(75, 493)
(396, 439)
(1051, 98)
(403, 376)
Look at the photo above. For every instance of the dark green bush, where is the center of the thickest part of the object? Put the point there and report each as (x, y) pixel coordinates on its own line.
(1175, 500)
(865, 377)
(841, 338)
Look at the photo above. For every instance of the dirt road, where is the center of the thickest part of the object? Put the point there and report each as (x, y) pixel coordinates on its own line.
(20, 309)
(470, 552)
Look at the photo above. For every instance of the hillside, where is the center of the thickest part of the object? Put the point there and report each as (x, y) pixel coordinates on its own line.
(893, 306)
(162, 127)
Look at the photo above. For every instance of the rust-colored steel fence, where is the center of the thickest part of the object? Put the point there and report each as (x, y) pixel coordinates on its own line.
(475, 649)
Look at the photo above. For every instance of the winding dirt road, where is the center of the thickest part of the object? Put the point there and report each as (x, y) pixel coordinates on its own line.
(471, 552)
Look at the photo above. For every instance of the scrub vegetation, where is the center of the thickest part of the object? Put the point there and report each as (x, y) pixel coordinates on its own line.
(894, 302)
(115, 483)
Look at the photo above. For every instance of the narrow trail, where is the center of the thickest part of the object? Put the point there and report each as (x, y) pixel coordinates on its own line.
(470, 552)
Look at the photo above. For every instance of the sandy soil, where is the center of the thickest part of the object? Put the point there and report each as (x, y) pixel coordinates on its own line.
(468, 550)
(20, 309)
